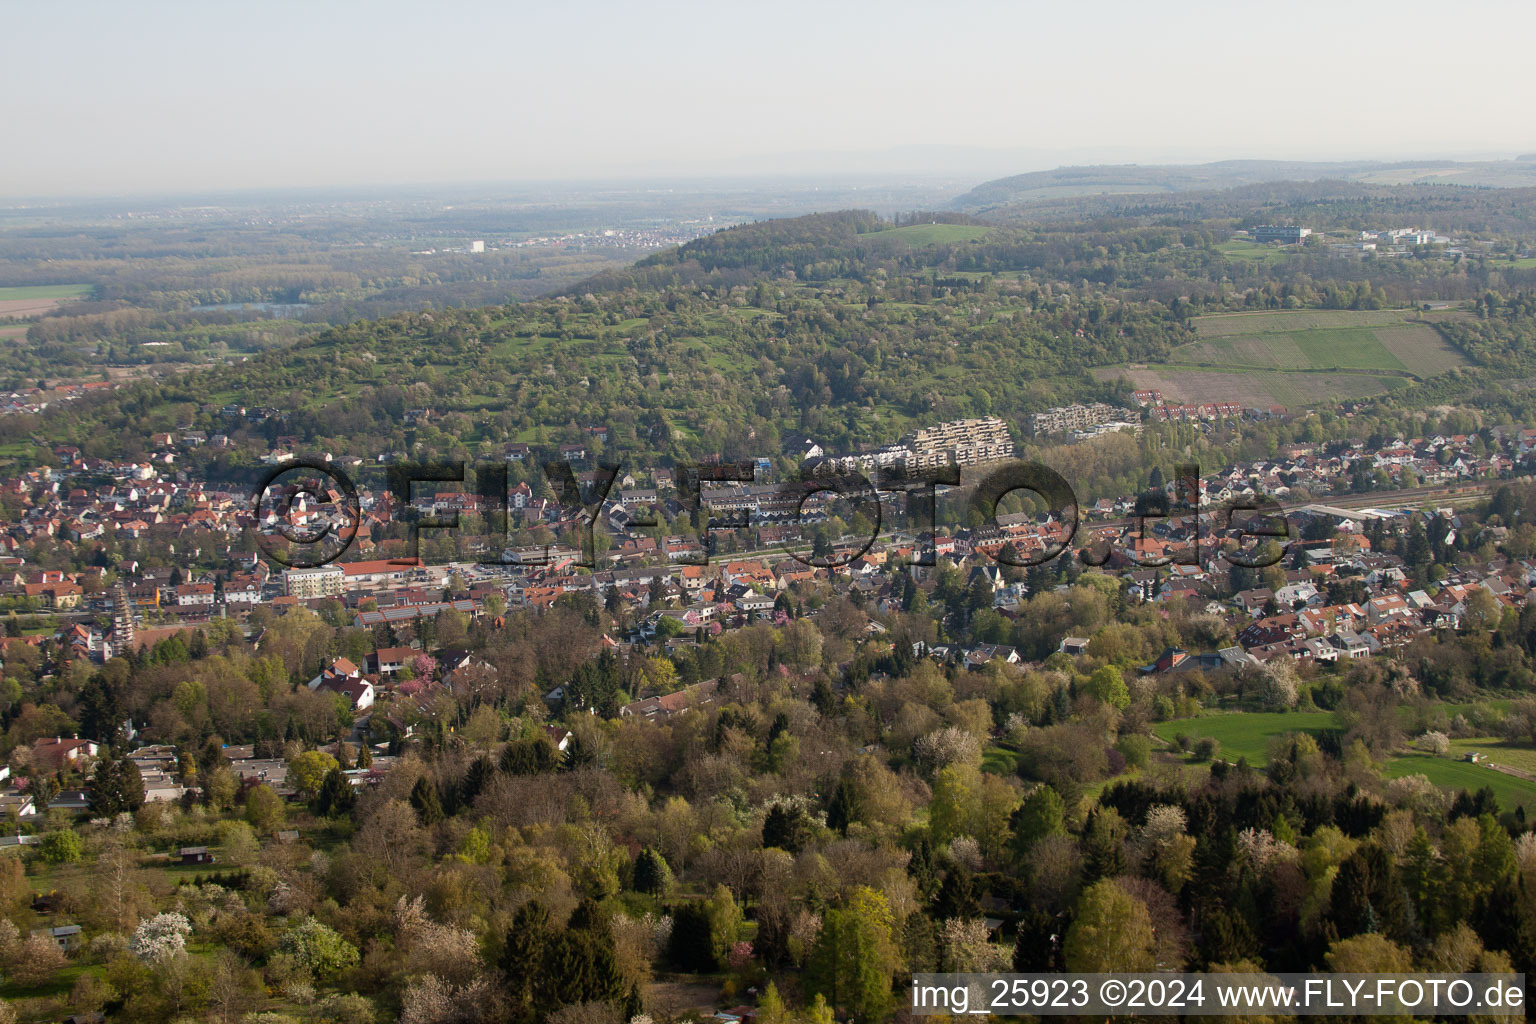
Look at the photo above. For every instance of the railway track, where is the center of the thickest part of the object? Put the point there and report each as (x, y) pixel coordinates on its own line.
(1370, 499)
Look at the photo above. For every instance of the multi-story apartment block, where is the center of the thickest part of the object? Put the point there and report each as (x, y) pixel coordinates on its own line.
(320, 581)
(1067, 418)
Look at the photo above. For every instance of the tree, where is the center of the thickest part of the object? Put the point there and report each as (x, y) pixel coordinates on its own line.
(61, 847)
(652, 875)
(36, 959)
(335, 796)
(954, 802)
(1368, 954)
(690, 947)
(1034, 950)
(220, 788)
(239, 842)
(318, 948)
(579, 966)
(116, 786)
(424, 799)
(1107, 684)
(160, 939)
(957, 896)
(856, 955)
(264, 809)
(483, 728)
(843, 808)
(771, 1008)
(1104, 844)
(1278, 687)
(1041, 814)
(523, 951)
(528, 757)
(787, 828)
(307, 772)
(1483, 612)
(1112, 932)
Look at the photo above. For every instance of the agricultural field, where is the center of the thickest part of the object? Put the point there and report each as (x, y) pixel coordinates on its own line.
(1384, 339)
(35, 300)
(1296, 358)
(1253, 388)
(1226, 325)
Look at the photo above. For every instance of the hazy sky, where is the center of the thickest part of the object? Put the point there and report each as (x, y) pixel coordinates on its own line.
(114, 97)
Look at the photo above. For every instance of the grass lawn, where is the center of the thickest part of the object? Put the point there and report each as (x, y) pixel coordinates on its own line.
(55, 987)
(1442, 771)
(46, 291)
(1246, 734)
(1241, 249)
(1000, 760)
(1497, 751)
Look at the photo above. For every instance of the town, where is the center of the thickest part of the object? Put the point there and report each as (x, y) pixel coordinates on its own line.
(674, 590)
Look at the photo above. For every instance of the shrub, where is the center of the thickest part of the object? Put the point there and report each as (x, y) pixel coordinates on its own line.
(61, 847)
(318, 948)
(1136, 749)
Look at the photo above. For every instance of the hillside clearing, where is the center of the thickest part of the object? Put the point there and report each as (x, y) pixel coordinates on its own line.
(929, 234)
(1251, 389)
(1297, 358)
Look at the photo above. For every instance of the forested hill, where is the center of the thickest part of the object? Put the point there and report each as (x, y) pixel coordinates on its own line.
(812, 325)
(820, 244)
(1101, 186)
(840, 325)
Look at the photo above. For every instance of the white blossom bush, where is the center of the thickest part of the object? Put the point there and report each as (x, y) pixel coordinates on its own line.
(966, 850)
(1261, 849)
(944, 747)
(1525, 854)
(10, 938)
(645, 935)
(453, 954)
(1164, 822)
(966, 948)
(1418, 793)
(1437, 743)
(434, 1001)
(160, 939)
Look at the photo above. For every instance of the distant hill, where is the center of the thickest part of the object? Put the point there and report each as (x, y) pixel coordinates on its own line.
(1047, 187)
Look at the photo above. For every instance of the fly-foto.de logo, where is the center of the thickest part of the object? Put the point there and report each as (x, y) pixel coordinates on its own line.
(308, 512)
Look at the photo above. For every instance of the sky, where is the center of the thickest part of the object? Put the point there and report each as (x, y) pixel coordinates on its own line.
(112, 98)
